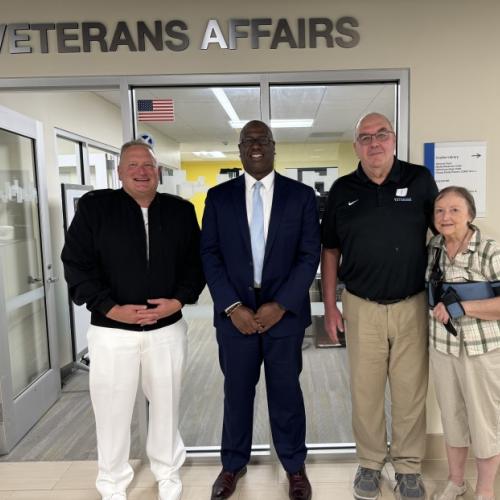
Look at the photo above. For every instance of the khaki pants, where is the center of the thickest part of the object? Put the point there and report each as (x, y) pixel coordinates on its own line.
(388, 342)
(468, 393)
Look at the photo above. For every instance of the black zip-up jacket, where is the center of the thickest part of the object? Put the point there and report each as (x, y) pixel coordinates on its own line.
(105, 254)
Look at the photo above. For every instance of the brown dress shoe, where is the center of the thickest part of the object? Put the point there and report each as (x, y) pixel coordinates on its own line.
(300, 487)
(225, 484)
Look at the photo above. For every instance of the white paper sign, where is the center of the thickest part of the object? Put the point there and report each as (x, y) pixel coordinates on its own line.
(460, 164)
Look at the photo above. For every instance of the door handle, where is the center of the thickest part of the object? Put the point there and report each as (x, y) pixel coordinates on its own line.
(52, 279)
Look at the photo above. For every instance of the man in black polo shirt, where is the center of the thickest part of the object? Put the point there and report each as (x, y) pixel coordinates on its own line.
(375, 227)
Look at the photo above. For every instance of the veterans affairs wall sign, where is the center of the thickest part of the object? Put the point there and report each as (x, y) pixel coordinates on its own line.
(176, 35)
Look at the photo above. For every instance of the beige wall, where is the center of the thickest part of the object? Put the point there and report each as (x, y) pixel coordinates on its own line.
(450, 47)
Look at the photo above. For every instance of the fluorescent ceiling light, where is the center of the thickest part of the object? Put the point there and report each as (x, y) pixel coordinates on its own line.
(209, 154)
(238, 123)
(292, 123)
(226, 104)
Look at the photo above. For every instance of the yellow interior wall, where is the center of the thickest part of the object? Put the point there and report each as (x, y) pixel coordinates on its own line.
(209, 170)
(347, 159)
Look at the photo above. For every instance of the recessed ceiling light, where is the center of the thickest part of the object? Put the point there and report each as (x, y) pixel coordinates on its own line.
(292, 123)
(209, 154)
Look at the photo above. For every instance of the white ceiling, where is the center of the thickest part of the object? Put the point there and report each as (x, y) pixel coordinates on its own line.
(201, 123)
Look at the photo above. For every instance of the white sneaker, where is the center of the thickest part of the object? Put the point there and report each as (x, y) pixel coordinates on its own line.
(169, 489)
(452, 491)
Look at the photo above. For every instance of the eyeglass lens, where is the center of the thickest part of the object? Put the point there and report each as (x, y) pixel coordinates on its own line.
(262, 141)
(379, 136)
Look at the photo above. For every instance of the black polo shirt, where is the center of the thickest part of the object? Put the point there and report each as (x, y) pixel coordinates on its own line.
(381, 230)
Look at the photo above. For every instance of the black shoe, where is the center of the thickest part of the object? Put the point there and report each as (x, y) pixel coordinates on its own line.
(300, 487)
(225, 484)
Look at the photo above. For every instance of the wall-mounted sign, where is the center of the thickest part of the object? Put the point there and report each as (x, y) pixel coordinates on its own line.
(174, 35)
(459, 164)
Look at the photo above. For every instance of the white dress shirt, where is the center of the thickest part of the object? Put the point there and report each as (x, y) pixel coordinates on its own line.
(266, 193)
(146, 227)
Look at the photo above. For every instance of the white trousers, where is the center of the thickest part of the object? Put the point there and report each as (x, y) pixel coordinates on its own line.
(117, 357)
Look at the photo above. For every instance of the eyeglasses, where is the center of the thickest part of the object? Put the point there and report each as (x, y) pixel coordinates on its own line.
(261, 141)
(366, 139)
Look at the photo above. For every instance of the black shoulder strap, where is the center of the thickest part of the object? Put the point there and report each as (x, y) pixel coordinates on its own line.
(437, 257)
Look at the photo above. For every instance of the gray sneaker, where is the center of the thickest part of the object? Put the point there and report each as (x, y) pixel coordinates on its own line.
(409, 487)
(366, 484)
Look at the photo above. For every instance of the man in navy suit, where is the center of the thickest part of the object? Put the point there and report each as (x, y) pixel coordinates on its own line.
(260, 251)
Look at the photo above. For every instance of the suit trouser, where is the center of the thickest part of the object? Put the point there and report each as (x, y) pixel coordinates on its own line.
(116, 359)
(241, 357)
(388, 342)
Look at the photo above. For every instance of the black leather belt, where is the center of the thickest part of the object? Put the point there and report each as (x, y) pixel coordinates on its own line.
(387, 302)
(382, 302)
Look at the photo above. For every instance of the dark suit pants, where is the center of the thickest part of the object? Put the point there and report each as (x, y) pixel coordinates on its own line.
(241, 357)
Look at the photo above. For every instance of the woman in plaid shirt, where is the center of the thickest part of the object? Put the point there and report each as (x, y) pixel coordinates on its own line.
(465, 343)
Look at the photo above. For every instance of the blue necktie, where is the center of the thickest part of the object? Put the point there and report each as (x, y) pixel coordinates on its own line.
(257, 233)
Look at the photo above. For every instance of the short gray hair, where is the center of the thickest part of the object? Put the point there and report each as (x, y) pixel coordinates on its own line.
(137, 142)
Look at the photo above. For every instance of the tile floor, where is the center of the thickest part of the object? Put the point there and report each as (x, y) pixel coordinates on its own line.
(330, 480)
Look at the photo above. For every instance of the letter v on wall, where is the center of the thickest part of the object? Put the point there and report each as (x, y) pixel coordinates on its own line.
(3, 27)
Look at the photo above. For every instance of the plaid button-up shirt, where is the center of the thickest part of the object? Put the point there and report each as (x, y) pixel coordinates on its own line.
(479, 262)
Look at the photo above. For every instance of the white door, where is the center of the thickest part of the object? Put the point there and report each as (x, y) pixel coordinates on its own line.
(29, 368)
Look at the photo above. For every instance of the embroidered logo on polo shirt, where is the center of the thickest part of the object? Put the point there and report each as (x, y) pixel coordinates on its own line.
(349, 203)
(402, 195)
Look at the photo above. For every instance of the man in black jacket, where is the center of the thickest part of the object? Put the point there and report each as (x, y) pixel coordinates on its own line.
(132, 256)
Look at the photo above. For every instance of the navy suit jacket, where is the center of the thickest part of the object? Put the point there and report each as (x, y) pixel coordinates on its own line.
(291, 256)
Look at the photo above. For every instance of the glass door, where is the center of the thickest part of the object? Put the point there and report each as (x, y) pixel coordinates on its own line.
(29, 371)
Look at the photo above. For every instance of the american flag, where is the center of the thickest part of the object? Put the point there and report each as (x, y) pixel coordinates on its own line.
(155, 110)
